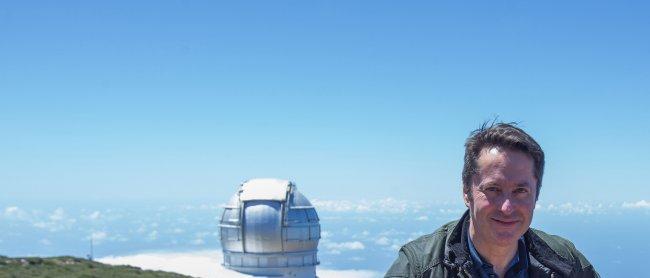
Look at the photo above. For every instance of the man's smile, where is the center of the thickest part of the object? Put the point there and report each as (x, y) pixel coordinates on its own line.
(505, 222)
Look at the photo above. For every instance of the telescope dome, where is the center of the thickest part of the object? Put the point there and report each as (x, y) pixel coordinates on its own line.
(268, 228)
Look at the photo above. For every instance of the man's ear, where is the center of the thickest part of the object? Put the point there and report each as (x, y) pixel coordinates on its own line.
(466, 198)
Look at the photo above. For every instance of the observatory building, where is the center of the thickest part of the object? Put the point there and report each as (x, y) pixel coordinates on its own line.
(270, 229)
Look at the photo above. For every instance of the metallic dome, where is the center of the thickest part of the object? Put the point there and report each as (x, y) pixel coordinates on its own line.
(268, 228)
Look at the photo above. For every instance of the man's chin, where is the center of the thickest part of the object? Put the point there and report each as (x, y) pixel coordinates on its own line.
(506, 238)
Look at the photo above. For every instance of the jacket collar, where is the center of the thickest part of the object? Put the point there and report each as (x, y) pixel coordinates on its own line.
(456, 248)
(545, 256)
(542, 256)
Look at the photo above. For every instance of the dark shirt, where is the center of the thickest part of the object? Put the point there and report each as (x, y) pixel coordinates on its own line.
(517, 268)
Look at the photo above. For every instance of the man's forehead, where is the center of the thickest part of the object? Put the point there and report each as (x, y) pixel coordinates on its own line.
(507, 154)
(492, 150)
(500, 164)
(523, 181)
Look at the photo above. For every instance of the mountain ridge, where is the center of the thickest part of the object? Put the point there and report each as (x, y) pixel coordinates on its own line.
(69, 266)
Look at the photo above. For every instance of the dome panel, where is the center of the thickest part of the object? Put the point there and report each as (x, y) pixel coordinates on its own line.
(299, 200)
(262, 226)
(230, 216)
(234, 201)
(314, 232)
(264, 189)
(295, 216)
(312, 215)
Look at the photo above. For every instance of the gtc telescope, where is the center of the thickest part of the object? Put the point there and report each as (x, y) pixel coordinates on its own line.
(270, 229)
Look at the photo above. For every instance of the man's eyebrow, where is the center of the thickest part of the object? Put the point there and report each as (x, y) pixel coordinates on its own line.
(523, 184)
(489, 183)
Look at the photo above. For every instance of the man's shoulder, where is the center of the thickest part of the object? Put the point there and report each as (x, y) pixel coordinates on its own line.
(563, 247)
(435, 238)
(429, 249)
(422, 253)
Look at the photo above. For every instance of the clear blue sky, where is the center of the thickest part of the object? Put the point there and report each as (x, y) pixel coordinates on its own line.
(182, 100)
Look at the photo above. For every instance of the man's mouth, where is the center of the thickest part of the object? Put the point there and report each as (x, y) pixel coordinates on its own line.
(505, 222)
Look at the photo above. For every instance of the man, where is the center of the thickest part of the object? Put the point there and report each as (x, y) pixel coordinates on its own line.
(502, 177)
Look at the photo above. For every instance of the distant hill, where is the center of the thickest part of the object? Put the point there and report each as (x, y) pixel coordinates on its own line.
(67, 266)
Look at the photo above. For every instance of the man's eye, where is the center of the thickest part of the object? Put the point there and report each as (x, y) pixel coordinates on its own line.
(492, 189)
(521, 190)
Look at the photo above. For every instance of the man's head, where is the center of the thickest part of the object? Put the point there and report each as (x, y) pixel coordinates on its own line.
(501, 181)
(502, 136)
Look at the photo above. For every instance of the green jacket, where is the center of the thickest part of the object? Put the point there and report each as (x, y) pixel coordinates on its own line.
(444, 253)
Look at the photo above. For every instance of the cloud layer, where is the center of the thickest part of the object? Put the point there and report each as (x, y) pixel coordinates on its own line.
(356, 236)
(207, 264)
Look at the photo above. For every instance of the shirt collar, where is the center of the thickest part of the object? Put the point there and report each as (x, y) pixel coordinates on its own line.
(485, 269)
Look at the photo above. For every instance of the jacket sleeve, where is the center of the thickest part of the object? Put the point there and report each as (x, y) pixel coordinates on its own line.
(585, 268)
(401, 267)
(589, 272)
(585, 272)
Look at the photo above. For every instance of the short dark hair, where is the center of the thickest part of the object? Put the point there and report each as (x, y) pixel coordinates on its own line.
(500, 135)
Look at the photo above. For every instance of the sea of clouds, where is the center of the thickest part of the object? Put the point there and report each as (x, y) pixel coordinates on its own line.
(359, 238)
(207, 264)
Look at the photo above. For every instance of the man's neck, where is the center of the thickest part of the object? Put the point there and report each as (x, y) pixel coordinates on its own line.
(498, 256)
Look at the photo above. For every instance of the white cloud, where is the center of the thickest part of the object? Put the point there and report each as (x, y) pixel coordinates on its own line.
(326, 273)
(198, 241)
(95, 215)
(45, 241)
(210, 207)
(338, 247)
(99, 236)
(325, 234)
(207, 264)
(582, 208)
(11, 210)
(178, 231)
(363, 235)
(118, 238)
(56, 221)
(643, 204)
(382, 241)
(57, 215)
(452, 211)
(391, 232)
(422, 218)
(202, 234)
(14, 212)
(387, 205)
(571, 208)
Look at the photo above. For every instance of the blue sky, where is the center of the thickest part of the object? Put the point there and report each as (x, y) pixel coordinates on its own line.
(183, 100)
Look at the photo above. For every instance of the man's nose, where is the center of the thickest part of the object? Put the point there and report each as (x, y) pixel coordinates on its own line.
(506, 206)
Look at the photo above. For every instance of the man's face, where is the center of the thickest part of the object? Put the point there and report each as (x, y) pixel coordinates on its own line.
(503, 197)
